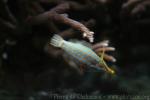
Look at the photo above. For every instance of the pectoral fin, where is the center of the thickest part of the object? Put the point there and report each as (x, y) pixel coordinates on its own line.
(104, 64)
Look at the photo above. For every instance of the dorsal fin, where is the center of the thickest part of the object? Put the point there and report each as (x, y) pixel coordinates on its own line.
(81, 42)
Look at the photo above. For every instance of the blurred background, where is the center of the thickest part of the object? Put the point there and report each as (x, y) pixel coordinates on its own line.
(31, 69)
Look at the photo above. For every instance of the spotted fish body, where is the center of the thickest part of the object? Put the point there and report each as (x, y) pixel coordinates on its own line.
(79, 52)
(82, 54)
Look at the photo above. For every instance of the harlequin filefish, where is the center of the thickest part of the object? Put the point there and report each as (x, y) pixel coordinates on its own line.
(81, 53)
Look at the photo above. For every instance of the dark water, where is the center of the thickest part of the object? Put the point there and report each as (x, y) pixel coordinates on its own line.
(28, 72)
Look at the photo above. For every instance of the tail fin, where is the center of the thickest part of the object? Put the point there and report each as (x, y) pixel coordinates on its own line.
(57, 41)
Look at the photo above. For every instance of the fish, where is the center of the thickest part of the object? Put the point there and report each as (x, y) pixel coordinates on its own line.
(81, 54)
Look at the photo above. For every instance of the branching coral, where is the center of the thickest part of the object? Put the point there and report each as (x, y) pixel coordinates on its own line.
(58, 14)
(26, 27)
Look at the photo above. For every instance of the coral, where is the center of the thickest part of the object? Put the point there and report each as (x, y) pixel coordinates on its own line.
(29, 64)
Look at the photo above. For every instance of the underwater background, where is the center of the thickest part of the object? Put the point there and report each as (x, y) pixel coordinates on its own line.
(31, 69)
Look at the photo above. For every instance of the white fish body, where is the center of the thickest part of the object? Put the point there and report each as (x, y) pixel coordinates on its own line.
(82, 54)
